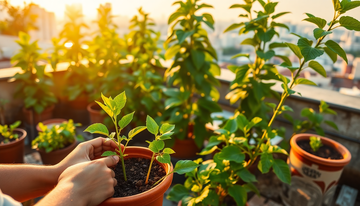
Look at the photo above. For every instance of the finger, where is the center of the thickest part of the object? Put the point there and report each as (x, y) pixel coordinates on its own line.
(112, 173)
(110, 160)
(115, 182)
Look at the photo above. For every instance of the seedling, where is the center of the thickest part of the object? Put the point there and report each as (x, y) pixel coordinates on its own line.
(315, 143)
(158, 144)
(113, 108)
(7, 132)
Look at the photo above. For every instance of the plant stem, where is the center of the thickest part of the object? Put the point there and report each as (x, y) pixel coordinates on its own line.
(148, 174)
(120, 151)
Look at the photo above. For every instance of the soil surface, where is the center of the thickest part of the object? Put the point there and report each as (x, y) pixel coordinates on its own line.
(324, 151)
(136, 171)
(11, 140)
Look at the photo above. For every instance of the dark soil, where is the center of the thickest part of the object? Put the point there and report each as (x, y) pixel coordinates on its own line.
(324, 151)
(136, 171)
(11, 140)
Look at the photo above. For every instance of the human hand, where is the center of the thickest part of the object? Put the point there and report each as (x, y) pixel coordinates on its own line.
(87, 151)
(87, 183)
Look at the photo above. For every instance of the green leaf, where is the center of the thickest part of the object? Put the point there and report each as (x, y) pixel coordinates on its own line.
(348, 5)
(233, 26)
(120, 100)
(270, 7)
(307, 50)
(274, 24)
(178, 192)
(287, 108)
(97, 128)
(232, 153)
(350, 23)
(240, 55)
(266, 56)
(266, 36)
(164, 158)
(172, 51)
(136, 131)
(241, 122)
(316, 20)
(282, 170)
(333, 46)
(172, 102)
(320, 33)
(198, 58)
(337, 5)
(166, 136)
(174, 16)
(285, 59)
(181, 35)
(105, 108)
(125, 120)
(249, 41)
(304, 81)
(168, 151)
(151, 125)
(279, 14)
(231, 125)
(246, 176)
(166, 127)
(156, 146)
(331, 124)
(331, 54)
(266, 161)
(295, 49)
(277, 45)
(318, 68)
(239, 194)
(184, 166)
(246, 7)
(108, 153)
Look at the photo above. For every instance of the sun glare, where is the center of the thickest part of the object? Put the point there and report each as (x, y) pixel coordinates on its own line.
(68, 44)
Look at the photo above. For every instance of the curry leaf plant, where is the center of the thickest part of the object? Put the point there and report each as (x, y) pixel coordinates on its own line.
(315, 143)
(228, 174)
(113, 107)
(7, 132)
(193, 70)
(34, 83)
(146, 82)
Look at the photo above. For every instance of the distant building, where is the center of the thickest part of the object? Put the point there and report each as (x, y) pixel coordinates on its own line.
(45, 22)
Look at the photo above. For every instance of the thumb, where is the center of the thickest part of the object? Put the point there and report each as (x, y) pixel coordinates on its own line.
(110, 160)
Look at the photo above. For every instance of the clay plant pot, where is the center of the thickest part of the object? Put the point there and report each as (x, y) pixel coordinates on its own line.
(313, 178)
(50, 123)
(187, 148)
(33, 118)
(96, 116)
(54, 157)
(13, 152)
(152, 197)
(80, 102)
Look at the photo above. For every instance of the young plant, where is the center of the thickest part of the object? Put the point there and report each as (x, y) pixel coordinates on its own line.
(113, 108)
(315, 143)
(157, 145)
(7, 133)
(56, 137)
(193, 71)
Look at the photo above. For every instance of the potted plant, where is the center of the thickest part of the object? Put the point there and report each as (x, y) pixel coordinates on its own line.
(193, 72)
(12, 143)
(34, 83)
(227, 177)
(145, 90)
(50, 123)
(56, 142)
(145, 173)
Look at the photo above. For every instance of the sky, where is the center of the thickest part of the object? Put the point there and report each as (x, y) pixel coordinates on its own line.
(161, 9)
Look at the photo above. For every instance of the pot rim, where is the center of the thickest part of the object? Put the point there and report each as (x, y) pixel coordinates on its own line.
(50, 121)
(90, 109)
(10, 144)
(328, 162)
(152, 190)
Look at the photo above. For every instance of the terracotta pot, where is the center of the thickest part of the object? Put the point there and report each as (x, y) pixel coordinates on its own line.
(96, 116)
(152, 197)
(187, 148)
(13, 152)
(313, 179)
(50, 123)
(54, 157)
(80, 102)
(33, 118)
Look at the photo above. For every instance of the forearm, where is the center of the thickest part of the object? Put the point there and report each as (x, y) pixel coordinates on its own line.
(23, 182)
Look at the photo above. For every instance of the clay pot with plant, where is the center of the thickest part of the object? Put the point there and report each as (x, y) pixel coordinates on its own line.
(56, 142)
(12, 143)
(34, 83)
(143, 174)
(217, 180)
(192, 72)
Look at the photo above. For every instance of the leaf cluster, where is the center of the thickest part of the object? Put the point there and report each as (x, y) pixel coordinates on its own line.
(315, 143)
(56, 137)
(7, 132)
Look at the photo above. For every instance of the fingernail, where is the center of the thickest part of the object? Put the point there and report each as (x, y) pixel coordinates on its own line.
(116, 158)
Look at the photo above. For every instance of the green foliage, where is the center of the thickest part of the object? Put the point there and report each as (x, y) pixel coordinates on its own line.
(7, 132)
(34, 83)
(315, 143)
(56, 137)
(193, 71)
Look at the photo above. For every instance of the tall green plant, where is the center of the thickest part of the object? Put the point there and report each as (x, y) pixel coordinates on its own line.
(193, 70)
(78, 75)
(222, 175)
(34, 83)
(146, 81)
